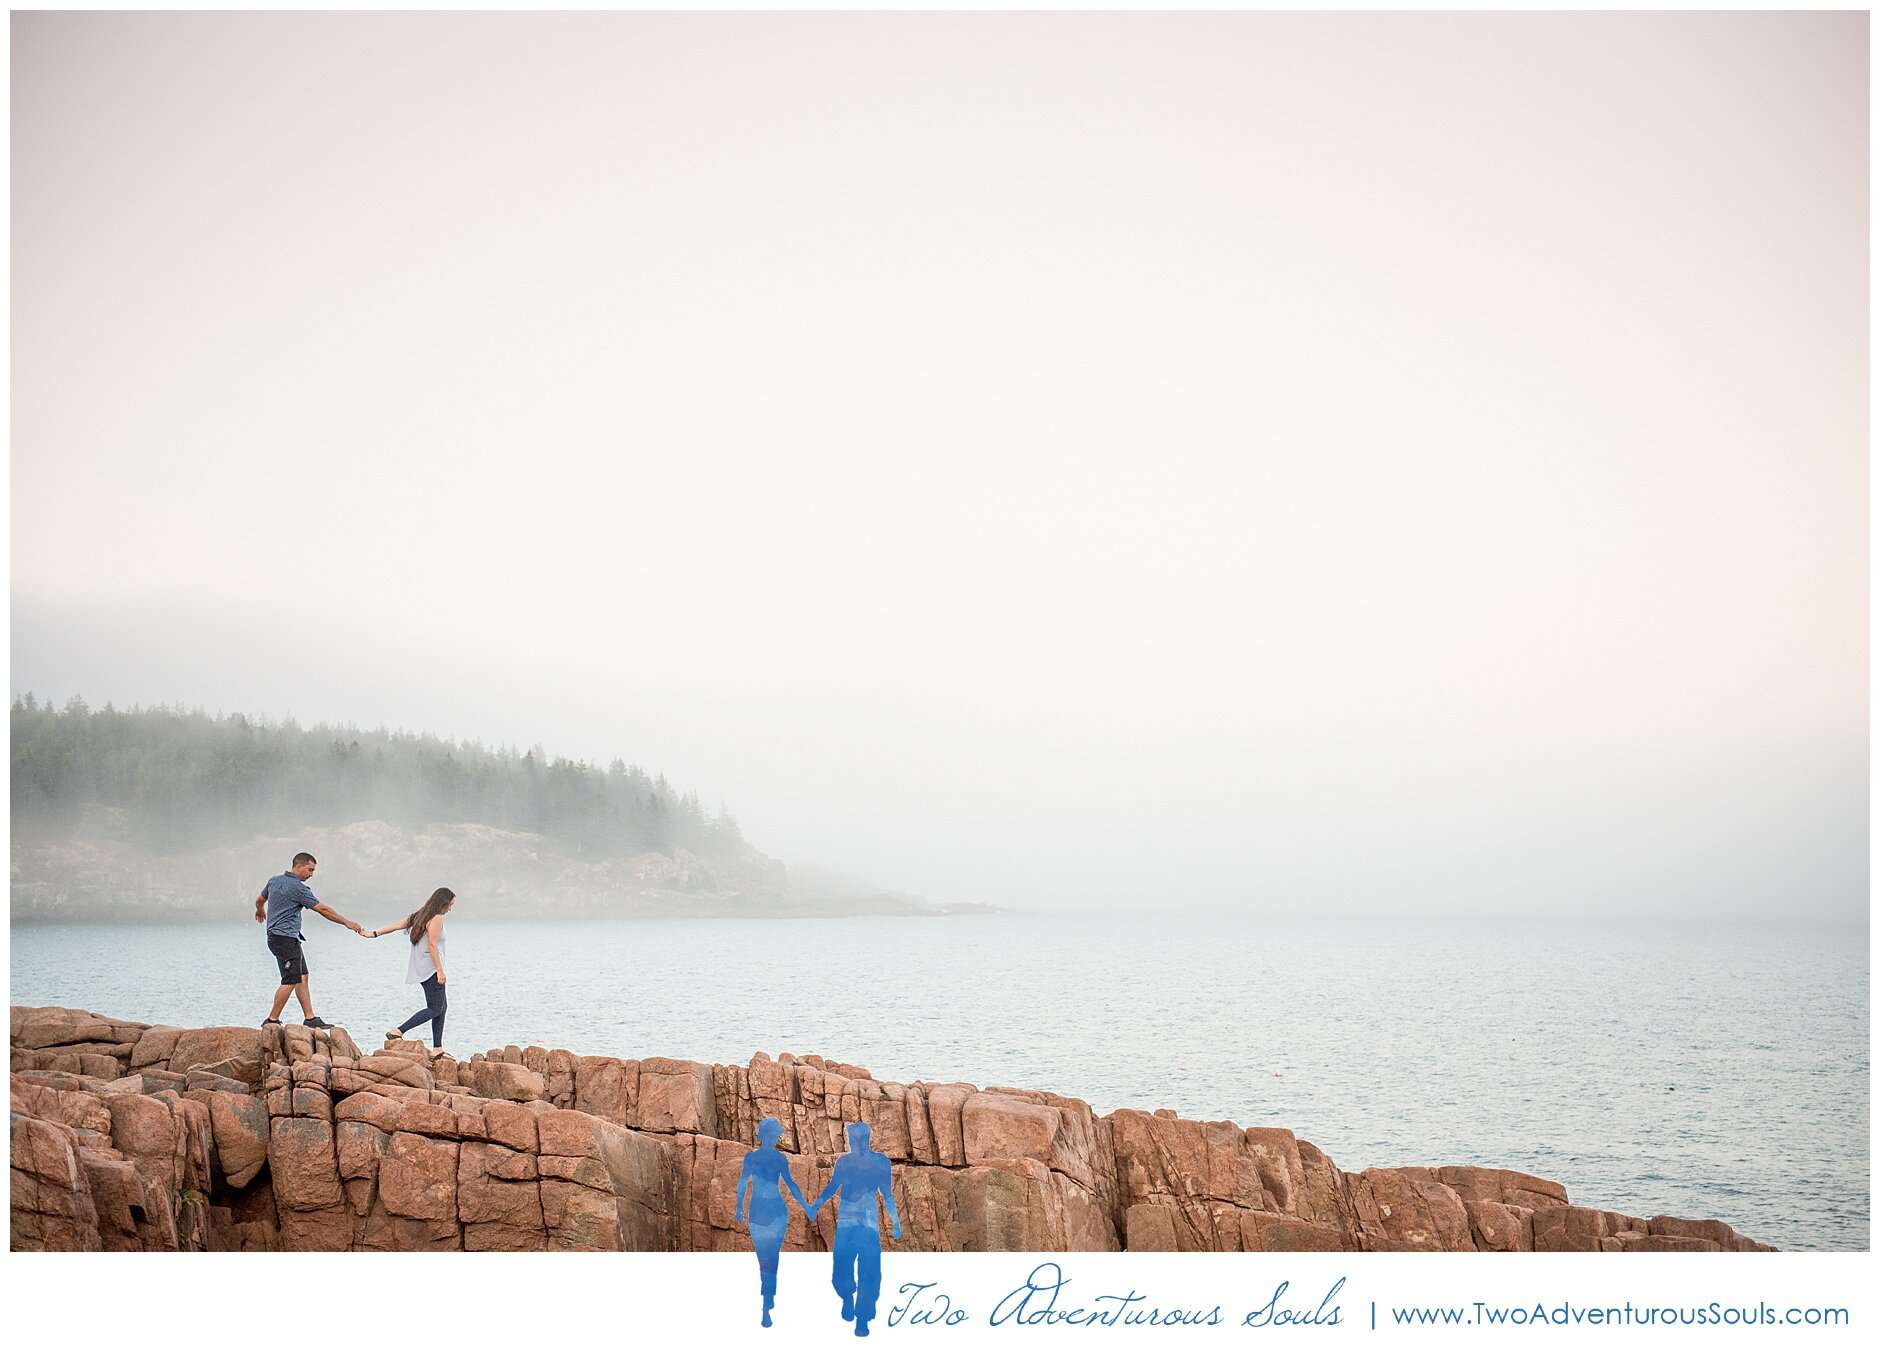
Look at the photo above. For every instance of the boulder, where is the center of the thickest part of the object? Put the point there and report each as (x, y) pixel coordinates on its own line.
(1571, 1229)
(1009, 1206)
(1502, 1185)
(675, 1095)
(1279, 1166)
(202, 1077)
(1271, 1232)
(997, 1127)
(239, 1123)
(506, 1123)
(154, 1048)
(436, 1119)
(1192, 1163)
(117, 1196)
(1500, 1228)
(372, 1108)
(945, 1103)
(607, 1088)
(47, 1097)
(234, 1051)
(584, 1160)
(1149, 1227)
(1669, 1243)
(418, 1177)
(497, 1194)
(52, 1207)
(503, 1081)
(302, 1162)
(402, 1070)
(1406, 1209)
(146, 1132)
(45, 1027)
(195, 1144)
(1716, 1231)
(148, 1082)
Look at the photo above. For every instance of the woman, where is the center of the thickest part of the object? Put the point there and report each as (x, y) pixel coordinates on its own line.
(763, 1170)
(426, 929)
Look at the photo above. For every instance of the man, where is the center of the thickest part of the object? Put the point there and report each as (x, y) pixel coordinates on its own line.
(859, 1177)
(279, 904)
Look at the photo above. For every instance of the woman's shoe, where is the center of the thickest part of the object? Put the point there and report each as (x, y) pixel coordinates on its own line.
(394, 1035)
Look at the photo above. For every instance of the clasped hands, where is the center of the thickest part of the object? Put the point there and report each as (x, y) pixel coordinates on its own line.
(812, 1209)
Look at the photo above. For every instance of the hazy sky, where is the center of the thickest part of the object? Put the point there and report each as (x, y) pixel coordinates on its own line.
(1268, 462)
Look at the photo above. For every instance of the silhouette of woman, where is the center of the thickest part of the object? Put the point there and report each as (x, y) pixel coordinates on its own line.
(764, 1169)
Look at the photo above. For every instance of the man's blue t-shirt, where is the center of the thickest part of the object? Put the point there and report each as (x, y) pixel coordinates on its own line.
(287, 895)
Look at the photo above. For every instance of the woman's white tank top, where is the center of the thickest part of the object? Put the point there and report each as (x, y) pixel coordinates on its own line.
(422, 966)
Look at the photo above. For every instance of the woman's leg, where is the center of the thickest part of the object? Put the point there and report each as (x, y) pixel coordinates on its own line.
(767, 1239)
(432, 1011)
(436, 1002)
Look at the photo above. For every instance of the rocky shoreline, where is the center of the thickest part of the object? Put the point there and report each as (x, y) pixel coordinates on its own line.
(130, 1136)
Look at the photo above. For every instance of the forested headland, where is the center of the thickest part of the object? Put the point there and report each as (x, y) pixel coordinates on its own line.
(182, 778)
(162, 811)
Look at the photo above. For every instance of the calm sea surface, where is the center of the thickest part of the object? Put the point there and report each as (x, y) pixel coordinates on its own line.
(1653, 1069)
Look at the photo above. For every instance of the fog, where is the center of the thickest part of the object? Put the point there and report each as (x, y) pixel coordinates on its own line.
(1244, 463)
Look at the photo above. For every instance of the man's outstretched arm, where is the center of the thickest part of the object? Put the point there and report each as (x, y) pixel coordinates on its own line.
(332, 914)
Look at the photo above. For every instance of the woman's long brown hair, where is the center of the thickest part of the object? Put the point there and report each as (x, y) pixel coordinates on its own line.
(440, 900)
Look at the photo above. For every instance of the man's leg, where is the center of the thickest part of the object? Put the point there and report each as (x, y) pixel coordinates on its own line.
(293, 971)
(843, 1277)
(306, 999)
(868, 1284)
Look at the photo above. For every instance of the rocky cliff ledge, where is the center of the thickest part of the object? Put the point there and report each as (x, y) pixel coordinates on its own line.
(131, 1136)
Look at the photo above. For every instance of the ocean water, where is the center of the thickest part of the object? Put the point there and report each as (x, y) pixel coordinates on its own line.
(1713, 1071)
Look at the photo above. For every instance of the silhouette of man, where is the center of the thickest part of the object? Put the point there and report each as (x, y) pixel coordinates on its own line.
(859, 1178)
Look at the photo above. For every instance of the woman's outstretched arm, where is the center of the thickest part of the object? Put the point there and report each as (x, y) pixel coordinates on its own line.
(399, 925)
(790, 1182)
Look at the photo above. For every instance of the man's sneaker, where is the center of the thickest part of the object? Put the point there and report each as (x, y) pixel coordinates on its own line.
(316, 1024)
(271, 1021)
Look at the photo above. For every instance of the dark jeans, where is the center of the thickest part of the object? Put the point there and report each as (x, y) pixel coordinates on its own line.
(433, 1011)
